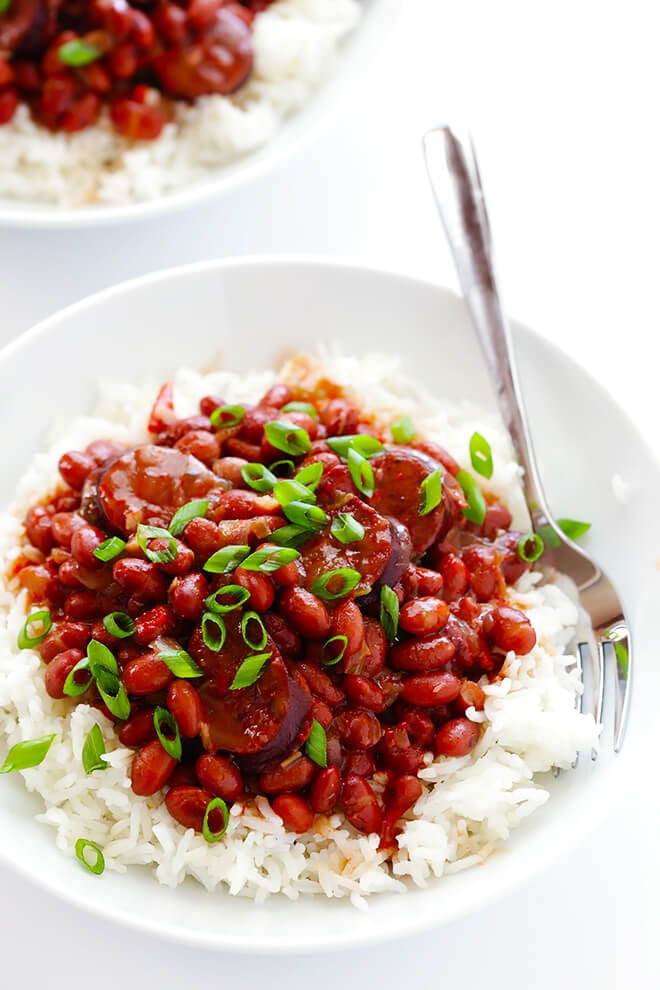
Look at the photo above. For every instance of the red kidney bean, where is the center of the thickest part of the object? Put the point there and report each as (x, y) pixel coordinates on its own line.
(509, 629)
(64, 636)
(358, 729)
(187, 805)
(74, 468)
(497, 518)
(38, 580)
(320, 684)
(418, 724)
(187, 595)
(65, 503)
(277, 396)
(183, 776)
(364, 692)
(38, 527)
(305, 612)
(470, 695)
(282, 634)
(422, 616)
(146, 675)
(427, 653)
(295, 812)
(151, 769)
(391, 684)
(338, 416)
(200, 444)
(400, 795)
(287, 576)
(370, 659)
(262, 592)
(80, 605)
(421, 581)
(101, 635)
(59, 669)
(235, 447)
(427, 690)
(321, 712)
(252, 425)
(361, 804)
(325, 790)
(240, 504)
(398, 753)
(455, 576)
(103, 450)
(361, 762)
(64, 525)
(292, 775)
(347, 621)
(220, 776)
(229, 468)
(186, 705)
(84, 542)
(158, 621)
(67, 574)
(458, 737)
(203, 538)
(138, 729)
(486, 578)
(182, 563)
(140, 577)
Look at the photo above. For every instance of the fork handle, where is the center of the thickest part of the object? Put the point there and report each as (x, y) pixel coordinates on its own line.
(456, 185)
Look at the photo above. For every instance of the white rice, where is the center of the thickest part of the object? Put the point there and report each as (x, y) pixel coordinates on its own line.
(295, 47)
(469, 805)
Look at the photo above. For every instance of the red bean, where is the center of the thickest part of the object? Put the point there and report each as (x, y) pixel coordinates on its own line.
(185, 704)
(454, 575)
(140, 577)
(158, 621)
(376, 644)
(292, 775)
(277, 395)
(361, 804)
(295, 812)
(364, 692)
(321, 712)
(422, 616)
(421, 581)
(400, 795)
(59, 669)
(203, 538)
(103, 450)
(470, 695)
(187, 594)
(358, 729)
(138, 729)
(64, 636)
(38, 526)
(64, 525)
(75, 467)
(84, 542)
(82, 605)
(151, 769)
(391, 684)
(338, 416)
(183, 776)
(183, 561)
(287, 576)
(347, 621)
(282, 634)
(458, 737)
(427, 653)
(509, 629)
(146, 675)
(497, 518)
(320, 684)
(361, 762)
(187, 805)
(305, 612)
(220, 776)
(398, 753)
(262, 592)
(427, 690)
(202, 445)
(325, 790)
(229, 468)
(486, 579)
(418, 724)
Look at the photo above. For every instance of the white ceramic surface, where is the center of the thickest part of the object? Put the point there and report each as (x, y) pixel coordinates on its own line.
(248, 311)
(378, 17)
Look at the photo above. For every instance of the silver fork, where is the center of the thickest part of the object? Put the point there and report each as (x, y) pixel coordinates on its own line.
(454, 174)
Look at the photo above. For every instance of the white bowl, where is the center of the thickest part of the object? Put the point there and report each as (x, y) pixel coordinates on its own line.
(378, 17)
(249, 310)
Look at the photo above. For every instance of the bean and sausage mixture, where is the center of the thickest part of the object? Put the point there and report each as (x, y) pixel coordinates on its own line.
(281, 599)
(66, 59)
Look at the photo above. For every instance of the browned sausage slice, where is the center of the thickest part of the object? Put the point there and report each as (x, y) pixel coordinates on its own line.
(151, 482)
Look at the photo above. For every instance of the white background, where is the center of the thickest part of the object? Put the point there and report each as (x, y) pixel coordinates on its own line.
(563, 101)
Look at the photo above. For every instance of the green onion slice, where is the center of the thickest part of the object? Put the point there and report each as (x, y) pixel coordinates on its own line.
(573, 528)
(431, 493)
(167, 730)
(361, 472)
(25, 640)
(291, 536)
(476, 510)
(114, 696)
(303, 407)
(283, 469)
(310, 475)
(481, 455)
(361, 443)
(346, 528)
(180, 663)
(250, 670)
(27, 754)
(389, 612)
(72, 687)
(97, 865)
(227, 559)
(622, 658)
(316, 745)
(333, 650)
(93, 750)
(119, 624)
(196, 509)
(402, 429)
(306, 515)
(109, 549)
(225, 416)
(288, 437)
(269, 559)
(215, 640)
(4, 6)
(78, 53)
(101, 658)
(291, 490)
(235, 594)
(258, 477)
(343, 579)
(147, 533)
(249, 638)
(530, 547)
(208, 834)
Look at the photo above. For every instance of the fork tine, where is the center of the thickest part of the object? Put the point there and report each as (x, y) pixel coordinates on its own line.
(594, 654)
(623, 667)
(579, 698)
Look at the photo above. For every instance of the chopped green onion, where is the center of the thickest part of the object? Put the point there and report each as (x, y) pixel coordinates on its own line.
(310, 475)
(288, 437)
(247, 618)
(622, 658)
(291, 490)
(476, 510)
(250, 670)
(78, 53)
(227, 559)
(303, 407)
(258, 477)
(208, 834)
(346, 528)
(316, 745)
(291, 536)
(147, 533)
(389, 612)
(269, 559)
(101, 658)
(27, 754)
(25, 640)
(361, 443)
(167, 730)
(328, 655)
(283, 469)
(431, 493)
(573, 528)
(93, 749)
(239, 596)
(73, 688)
(119, 624)
(348, 577)
(196, 509)
(530, 547)
(214, 641)
(481, 455)
(180, 663)
(225, 416)
(402, 429)
(98, 865)
(361, 472)
(304, 514)
(4, 6)
(109, 549)
(114, 697)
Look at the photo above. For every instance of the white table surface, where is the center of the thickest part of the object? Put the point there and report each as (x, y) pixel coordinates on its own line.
(562, 99)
